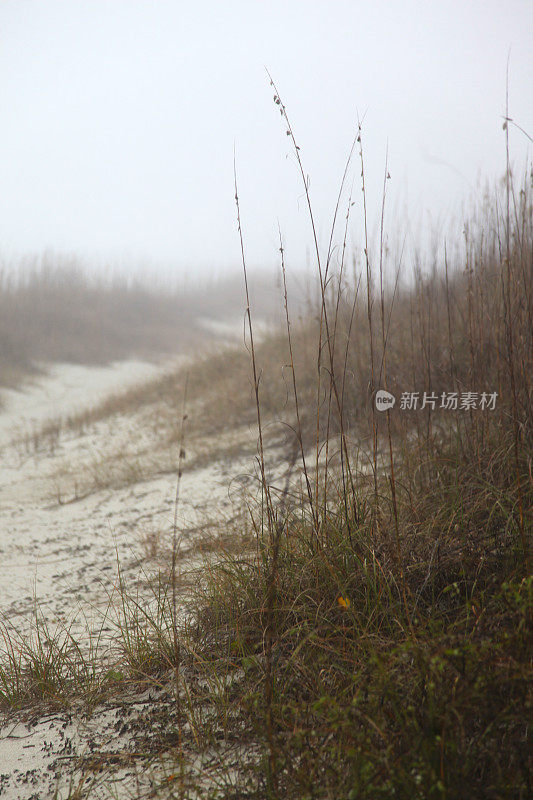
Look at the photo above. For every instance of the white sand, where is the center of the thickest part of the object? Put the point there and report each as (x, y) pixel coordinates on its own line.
(61, 552)
(66, 389)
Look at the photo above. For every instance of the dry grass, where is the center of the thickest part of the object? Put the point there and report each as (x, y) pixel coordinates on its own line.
(54, 310)
(382, 627)
(373, 640)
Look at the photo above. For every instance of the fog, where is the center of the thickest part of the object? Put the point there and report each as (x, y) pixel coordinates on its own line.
(119, 121)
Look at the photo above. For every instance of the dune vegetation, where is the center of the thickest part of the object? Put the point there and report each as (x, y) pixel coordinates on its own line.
(56, 309)
(367, 633)
(381, 622)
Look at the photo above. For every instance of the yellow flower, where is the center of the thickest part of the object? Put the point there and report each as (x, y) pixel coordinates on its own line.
(344, 602)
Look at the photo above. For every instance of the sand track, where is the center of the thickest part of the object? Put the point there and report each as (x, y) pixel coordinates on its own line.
(62, 533)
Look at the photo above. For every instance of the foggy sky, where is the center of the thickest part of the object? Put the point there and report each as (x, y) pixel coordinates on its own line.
(119, 119)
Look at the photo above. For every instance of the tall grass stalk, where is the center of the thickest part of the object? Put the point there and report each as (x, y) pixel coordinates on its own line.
(173, 577)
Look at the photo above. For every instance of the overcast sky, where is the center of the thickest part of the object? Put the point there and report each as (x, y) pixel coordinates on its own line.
(119, 118)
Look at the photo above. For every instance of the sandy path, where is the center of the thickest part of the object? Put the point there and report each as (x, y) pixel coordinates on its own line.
(59, 554)
(66, 389)
(60, 550)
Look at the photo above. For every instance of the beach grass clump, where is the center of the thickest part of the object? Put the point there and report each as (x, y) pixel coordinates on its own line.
(52, 666)
(388, 680)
